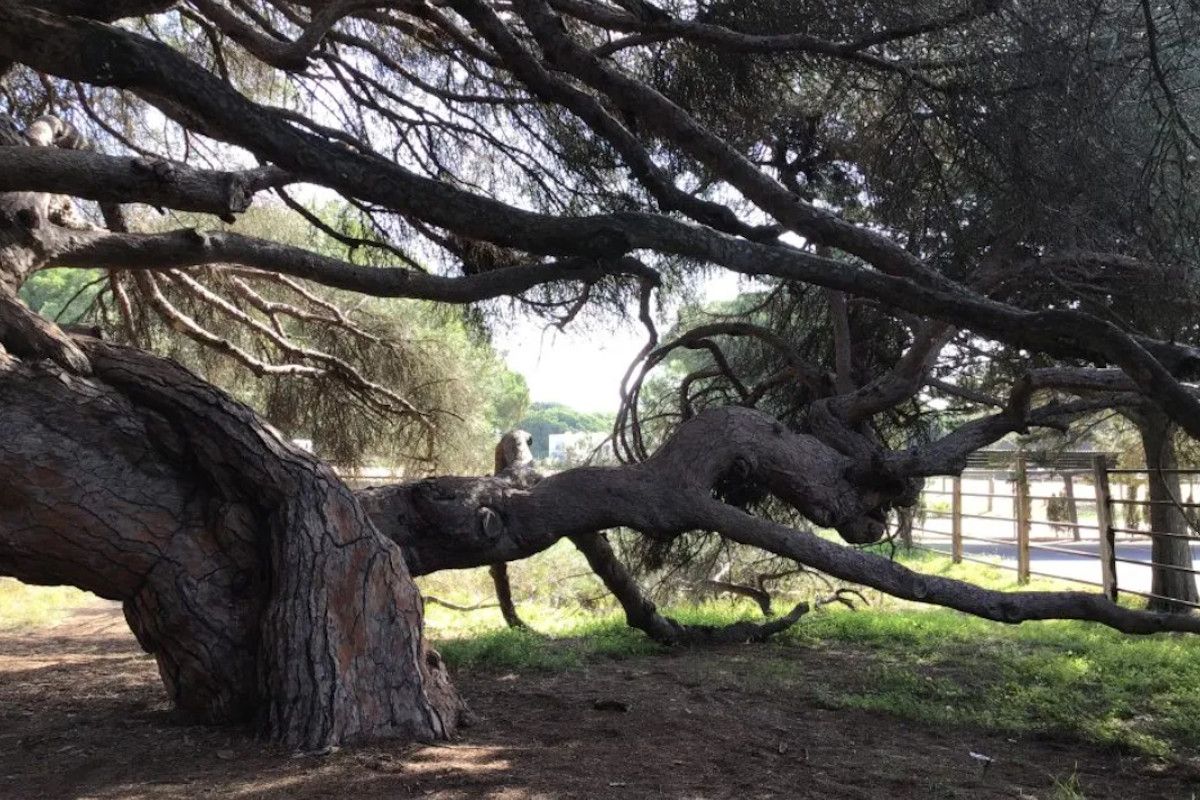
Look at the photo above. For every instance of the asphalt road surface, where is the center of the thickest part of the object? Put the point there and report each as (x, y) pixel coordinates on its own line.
(1132, 574)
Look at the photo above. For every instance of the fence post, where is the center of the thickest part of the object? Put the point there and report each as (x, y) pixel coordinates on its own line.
(1023, 513)
(1072, 509)
(956, 520)
(1104, 526)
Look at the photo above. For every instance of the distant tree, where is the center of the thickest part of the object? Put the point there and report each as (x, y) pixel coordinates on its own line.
(509, 395)
(65, 295)
(544, 419)
(429, 355)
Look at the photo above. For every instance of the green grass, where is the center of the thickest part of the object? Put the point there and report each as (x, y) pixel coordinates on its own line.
(1078, 679)
(23, 606)
(1067, 788)
(1062, 678)
(567, 647)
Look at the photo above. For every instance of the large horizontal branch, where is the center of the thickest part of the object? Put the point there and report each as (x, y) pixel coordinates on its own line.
(444, 523)
(119, 179)
(897, 580)
(449, 523)
(190, 248)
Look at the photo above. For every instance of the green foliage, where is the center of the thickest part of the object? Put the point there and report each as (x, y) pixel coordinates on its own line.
(62, 294)
(1068, 788)
(544, 419)
(23, 606)
(429, 354)
(514, 648)
(570, 647)
(509, 395)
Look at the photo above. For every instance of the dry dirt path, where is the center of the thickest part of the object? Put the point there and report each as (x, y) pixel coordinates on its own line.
(82, 716)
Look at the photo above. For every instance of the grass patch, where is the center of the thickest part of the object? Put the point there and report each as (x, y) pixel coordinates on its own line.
(553, 647)
(1141, 694)
(1067, 788)
(933, 665)
(1138, 693)
(23, 606)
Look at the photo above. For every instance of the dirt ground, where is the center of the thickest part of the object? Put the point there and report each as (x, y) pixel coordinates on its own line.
(82, 716)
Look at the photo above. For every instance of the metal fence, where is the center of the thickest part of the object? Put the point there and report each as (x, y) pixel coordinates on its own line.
(967, 514)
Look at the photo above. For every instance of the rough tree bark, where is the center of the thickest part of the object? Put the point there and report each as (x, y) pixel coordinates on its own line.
(1170, 581)
(245, 565)
(456, 522)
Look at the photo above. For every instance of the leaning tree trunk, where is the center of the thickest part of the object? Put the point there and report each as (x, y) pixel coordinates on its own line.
(1169, 550)
(245, 566)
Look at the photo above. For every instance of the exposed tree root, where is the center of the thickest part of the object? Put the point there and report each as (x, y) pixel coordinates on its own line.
(504, 596)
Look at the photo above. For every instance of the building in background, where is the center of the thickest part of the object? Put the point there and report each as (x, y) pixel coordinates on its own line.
(574, 446)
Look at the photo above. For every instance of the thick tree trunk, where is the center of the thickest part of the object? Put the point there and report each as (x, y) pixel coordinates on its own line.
(246, 567)
(1170, 552)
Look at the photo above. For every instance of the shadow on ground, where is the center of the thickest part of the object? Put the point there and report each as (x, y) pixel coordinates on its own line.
(82, 715)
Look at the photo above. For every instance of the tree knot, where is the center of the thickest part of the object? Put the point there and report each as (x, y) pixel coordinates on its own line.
(491, 524)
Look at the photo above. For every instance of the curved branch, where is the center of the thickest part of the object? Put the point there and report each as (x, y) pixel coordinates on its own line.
(447, 523)
(291, 56)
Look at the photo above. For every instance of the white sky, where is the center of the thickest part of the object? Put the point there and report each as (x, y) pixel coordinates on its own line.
(582, 367)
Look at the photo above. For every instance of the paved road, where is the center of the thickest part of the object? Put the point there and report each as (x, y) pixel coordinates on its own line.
(1132, 576)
